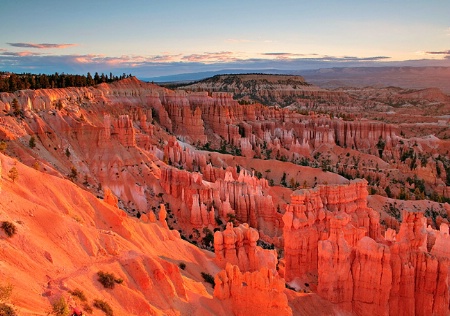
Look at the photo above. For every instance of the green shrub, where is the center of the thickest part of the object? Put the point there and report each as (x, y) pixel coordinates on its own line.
(108, 280)
(60, 307)
(103, 306)
(80, 294)
(9, 228)
(208, 278)
(6, 310)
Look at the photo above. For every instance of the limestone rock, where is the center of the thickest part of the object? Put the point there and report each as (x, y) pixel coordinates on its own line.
(260, 292)
(237, 245)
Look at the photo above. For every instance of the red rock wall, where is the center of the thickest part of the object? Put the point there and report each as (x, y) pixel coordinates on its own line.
(252, 293)
(330, 231)
(307, 220)
(237, 245)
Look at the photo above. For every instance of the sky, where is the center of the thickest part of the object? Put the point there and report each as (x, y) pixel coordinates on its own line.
(151, 38)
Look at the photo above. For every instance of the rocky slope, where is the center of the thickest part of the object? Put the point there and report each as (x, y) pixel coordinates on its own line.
(280, 90)
(132, 169)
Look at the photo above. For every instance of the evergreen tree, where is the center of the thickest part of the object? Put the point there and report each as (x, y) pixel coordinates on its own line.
(17, 111)
(32, 142)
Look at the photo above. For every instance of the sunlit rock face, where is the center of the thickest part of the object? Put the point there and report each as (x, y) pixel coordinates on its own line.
(331, 233)
(122, 172)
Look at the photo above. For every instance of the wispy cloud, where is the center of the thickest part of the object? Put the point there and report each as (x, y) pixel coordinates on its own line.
(40, 46)
(444, 52)
(315, 56)
(18, 54)
(281, 55)
(166, 63)
(211, 57)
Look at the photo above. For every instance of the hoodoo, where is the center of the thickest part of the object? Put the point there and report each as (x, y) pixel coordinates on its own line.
(206, 200)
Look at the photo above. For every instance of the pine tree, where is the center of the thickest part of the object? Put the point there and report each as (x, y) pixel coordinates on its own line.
(17, 111)
(32, 142)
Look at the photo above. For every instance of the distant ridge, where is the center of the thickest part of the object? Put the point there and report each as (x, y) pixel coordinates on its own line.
(331, 78)
(269, 89)
(404, 77)
(195, 76)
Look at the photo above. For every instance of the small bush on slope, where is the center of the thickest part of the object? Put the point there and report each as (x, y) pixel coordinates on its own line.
(80, 294)
(9, 228)
(108, 280)
(208, 278)
(60, 307)
(103, 306)
(6, 310)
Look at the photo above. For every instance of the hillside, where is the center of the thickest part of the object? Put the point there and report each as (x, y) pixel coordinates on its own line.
(135, 179)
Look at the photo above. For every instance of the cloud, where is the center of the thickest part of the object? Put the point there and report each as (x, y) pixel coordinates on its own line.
(317, 57)
(18, 54)
(445, 52)
(168, 64)
(211, 57)
(279, 55)
(40, 46)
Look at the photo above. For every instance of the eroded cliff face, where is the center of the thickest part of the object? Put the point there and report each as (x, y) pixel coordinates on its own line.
(237, 245)
(314, 215)
(221, 174)
(141, 117)
(260, 292)
(330, 233)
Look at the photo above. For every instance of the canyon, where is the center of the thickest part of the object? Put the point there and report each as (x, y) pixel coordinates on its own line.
(289, 198)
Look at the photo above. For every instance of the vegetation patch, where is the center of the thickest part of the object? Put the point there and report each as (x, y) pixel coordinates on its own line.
(6, 310)
(60, 307)
(79, 294)
(108, 280)
(208, 278)
(9, 228)
(103, 306)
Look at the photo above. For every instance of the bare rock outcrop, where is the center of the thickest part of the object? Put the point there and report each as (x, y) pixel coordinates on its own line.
(259, 292)
(330, 231)
(309, 216)
(237, 245)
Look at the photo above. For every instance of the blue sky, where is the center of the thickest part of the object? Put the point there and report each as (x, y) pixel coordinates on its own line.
(154, 38)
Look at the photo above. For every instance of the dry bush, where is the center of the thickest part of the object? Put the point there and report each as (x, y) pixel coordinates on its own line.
(103, 306)
(9, 228)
